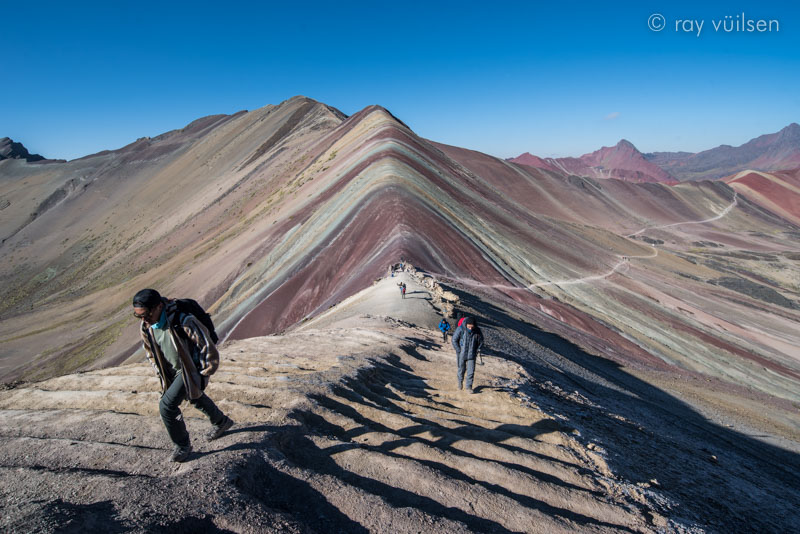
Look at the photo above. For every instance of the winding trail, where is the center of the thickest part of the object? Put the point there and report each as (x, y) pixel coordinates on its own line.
(720, 215)
(624, 260)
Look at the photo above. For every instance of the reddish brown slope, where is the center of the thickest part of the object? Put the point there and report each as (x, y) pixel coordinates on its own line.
(778, 192)
(622, 161)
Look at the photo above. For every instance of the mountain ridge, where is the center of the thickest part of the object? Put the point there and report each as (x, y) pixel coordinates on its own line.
(272, 216)
(769, 152)
(9, 149)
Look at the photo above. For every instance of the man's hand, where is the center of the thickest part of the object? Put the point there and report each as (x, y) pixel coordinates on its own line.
(209, 370)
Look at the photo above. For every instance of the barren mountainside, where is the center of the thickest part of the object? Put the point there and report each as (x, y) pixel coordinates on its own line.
(272, 216)
(641, 367)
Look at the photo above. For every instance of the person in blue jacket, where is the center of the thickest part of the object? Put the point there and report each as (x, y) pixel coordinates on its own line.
(467, 340)
(444, 326)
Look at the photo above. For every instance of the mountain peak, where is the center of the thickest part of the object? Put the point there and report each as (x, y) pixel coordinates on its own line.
(9, 149)
(624, 143)
(790, 132)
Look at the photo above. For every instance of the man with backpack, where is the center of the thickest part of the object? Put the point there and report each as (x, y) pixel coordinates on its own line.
(467, 340)
(444, 326)
(179, 341)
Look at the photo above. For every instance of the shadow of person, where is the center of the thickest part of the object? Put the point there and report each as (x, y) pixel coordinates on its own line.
(716, 475)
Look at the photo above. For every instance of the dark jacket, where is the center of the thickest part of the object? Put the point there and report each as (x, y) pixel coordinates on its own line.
(467, 342)
(444, 326)
(194, 346)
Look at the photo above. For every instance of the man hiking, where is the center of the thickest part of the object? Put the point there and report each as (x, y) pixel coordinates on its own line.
(181, 350)
(467, 340)
(444, 326)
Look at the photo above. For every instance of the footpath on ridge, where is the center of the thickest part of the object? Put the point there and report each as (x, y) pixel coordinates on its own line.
(351, 423)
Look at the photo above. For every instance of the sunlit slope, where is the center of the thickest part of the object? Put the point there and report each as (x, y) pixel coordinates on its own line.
(271, 217)
(154, 214)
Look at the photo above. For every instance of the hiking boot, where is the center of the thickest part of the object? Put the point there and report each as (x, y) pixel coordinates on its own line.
(220, 429)
(460, 386)
(180, 454)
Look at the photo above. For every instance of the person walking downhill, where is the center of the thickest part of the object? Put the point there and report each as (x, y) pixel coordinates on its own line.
(444, 326)
(181, 350)
(467, 340)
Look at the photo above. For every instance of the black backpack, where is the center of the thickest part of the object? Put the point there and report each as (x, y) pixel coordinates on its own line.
(191, 307)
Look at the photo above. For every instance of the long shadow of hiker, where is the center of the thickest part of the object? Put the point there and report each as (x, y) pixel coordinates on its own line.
(745, 485)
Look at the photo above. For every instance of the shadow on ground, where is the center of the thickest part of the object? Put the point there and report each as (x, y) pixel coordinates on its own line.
(715, 476)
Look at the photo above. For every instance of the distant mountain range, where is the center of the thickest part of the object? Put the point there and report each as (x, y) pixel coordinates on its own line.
(623, 162)
(771, 152)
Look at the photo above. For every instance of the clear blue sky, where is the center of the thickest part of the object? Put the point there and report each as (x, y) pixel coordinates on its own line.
(552, 78)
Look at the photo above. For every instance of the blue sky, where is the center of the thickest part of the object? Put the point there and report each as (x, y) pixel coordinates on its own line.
(554, 78)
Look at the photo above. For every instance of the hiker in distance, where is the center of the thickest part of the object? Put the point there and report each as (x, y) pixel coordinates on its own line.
(181, 349)
(444, 326)
(467, 340)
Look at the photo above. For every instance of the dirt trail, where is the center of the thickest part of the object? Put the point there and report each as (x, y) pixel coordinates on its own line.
(623, 262)
(353, 423)
(353, 430)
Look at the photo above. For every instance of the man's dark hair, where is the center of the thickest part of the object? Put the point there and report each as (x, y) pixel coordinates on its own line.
(470, 320)
(146, 298)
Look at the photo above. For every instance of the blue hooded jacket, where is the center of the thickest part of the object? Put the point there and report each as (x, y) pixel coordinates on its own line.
(467, 342)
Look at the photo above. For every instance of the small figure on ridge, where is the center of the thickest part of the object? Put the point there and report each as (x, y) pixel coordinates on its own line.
(444, 326)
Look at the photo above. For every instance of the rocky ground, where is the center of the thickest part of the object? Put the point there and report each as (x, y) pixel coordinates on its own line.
(353, 423)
